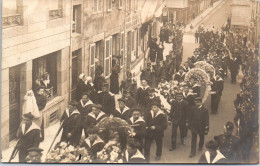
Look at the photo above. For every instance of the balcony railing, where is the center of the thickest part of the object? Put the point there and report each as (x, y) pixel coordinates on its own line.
(13, 20)
(54, 14)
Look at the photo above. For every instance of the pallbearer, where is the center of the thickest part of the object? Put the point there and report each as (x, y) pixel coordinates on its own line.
(29, 136)
(71, 124)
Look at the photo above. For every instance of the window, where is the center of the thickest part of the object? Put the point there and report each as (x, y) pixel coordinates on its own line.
(122, 46)
(120, 4)
(76, 24)
(109, 5)
(92, 60)
(108, 57)
(45, 70)
(97, 6)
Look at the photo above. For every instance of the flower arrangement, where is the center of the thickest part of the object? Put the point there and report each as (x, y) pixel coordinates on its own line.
(111, 153)
(210, 70)
(64, 153)
(202, 77)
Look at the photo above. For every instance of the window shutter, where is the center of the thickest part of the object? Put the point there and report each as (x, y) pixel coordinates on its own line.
(108, 57)
(92, 60)
(122, 46)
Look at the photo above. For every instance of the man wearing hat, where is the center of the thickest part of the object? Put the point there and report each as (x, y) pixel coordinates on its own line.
(151, 99)
(138, 125)
(156, 124)
(199, 125)
(126, 84)
(85, 104)
(179, 116)
(28, 135)
(106, 99)
(130, 101)
(142, 95)
(147, 74)
(132, 153)
(233, 67)
(81, 86)
(179, 76)
(71, 124)
(93, 117)
(217, 88)
(229, 145)
(212, 155)
(93, 143)
(34, 156)
(122, 111)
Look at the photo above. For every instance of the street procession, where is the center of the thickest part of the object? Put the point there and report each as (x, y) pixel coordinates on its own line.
(194, 100)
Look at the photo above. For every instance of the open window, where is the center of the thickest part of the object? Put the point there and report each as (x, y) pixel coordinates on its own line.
(76, 24)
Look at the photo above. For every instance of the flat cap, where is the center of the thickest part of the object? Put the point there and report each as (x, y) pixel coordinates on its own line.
(73, 103)
(35, 149)
(96, 105)
(213, 145)
(92, 129)
(28, 116)
(122, 99)
(229, 126)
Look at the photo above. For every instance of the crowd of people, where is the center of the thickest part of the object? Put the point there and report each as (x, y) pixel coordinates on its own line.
(145, 112)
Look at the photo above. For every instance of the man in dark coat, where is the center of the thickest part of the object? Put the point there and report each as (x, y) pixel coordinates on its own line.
(139, 126)
(93, 117)
(99, 78)
(233, 67)
(229, 145)
(123, 111)
(81, 86)
(126, 84)
(156, 124)
(153, 50)
(217, 88)
(29, 136)
(84, 106)
(151, 99)
(179, 116)
(106, 99)
(132, 154)
(41, 101)
(93, 143)
(212, 155)
(199, 125)
(147, 74)
(142, 95)
(195, 88)
(179, 76)
(130, 101)
(71, 124)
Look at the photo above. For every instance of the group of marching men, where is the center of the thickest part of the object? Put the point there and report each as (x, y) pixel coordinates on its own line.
(144, 111)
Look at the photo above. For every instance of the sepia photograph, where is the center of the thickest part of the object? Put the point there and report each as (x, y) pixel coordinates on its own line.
(130, 81)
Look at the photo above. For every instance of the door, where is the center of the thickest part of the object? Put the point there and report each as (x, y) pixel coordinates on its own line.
(76, 70)
(14, 101)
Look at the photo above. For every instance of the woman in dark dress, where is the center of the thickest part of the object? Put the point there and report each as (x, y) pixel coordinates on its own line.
(114, 83)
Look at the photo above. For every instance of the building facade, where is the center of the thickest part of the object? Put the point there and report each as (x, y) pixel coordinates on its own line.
(240, 15)
(253, 29)
(58, 40)
(35, 45)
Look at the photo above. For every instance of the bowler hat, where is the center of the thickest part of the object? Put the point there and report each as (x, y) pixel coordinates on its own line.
(96, 106)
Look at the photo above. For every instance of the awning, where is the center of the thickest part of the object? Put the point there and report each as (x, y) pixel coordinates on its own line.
(148, 10)
(158, 12)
